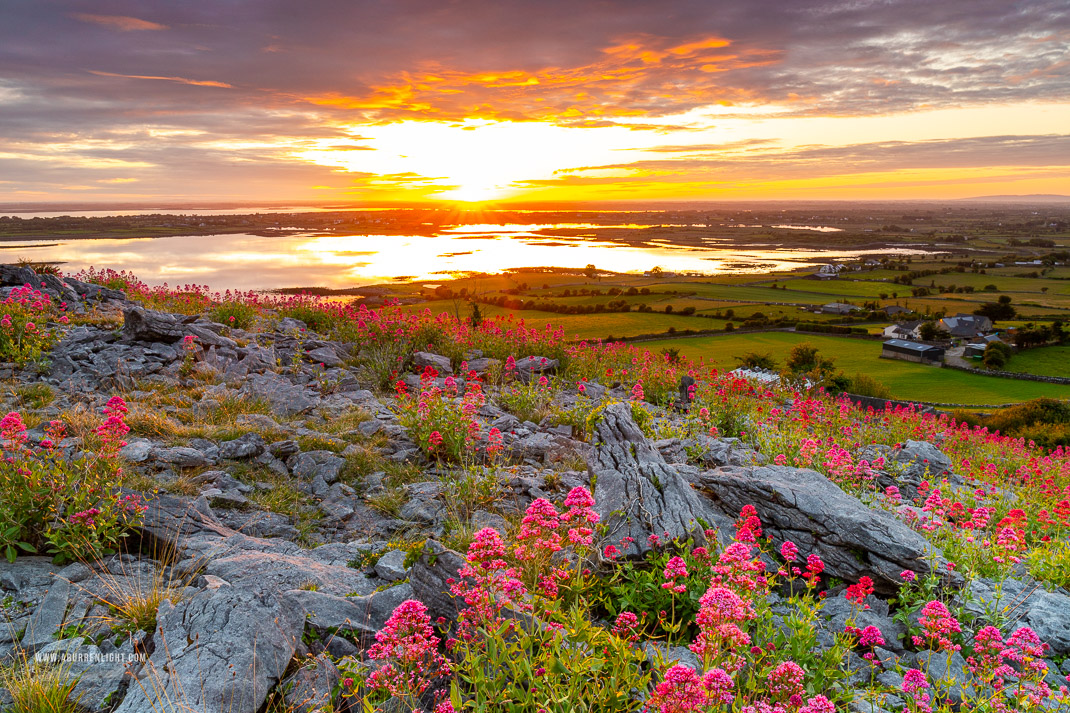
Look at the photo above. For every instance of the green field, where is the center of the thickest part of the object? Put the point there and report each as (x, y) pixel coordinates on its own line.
(1003, 283)
(906, 380)
(861, 289)
(743, 292)
(591, 326)
(1046, 361)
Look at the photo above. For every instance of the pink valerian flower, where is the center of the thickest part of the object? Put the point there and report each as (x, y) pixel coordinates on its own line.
(721, 611)
(580, 516)
(410, 648)
(818, 704)
(683, 691)
(494, 441)
(610, 552)
(539, 536)
(488, 584)
(719, 685)
(907, 575)
(1025, 648)
(637, 391)
(85, 517)
(938, 624)
(13, 430)
(867, 638)
(547, 586)
(870, 637)
(434, 440)
(675, 569)
(115, 406)
(114, 427)
(814, 568)
(857, 593)
(789, 551)
(914, 684)
(986, 663)
(785, 680)
(626, 626)
(131, 504)
(736, 568)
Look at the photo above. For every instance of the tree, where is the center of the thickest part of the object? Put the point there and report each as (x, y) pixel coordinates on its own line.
(656, 271)
(590, 271)
(804, 360)
(756, 360)
(928, 331)
(1001, 309)
(476, 317)
(994, 358)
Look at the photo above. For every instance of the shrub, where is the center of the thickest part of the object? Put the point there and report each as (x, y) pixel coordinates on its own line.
(530, 401)
(24, 331)
(866, 385)
(234, 313)
(68, 508)
(440, 426)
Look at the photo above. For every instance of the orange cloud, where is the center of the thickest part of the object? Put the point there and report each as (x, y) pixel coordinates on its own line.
(180, 80)
(122, 23)
(639, 75)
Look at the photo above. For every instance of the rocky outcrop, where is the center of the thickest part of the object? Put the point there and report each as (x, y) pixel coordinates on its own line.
(813, 512)
(430, 578)
(142, 325)
(637, 494)
(244, 638)
(1026, 603)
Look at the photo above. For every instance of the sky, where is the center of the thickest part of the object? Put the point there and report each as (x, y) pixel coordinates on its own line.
(367, 101)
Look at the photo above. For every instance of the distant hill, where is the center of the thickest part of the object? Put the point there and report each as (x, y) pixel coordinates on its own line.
(1027, 198)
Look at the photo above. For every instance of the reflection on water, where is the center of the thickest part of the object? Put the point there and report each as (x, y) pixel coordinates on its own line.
(244, 261)
(818, 228)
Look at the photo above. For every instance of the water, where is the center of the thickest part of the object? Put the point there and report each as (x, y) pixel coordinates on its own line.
(243, 261)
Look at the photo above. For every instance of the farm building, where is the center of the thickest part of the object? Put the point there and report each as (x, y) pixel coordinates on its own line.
(904, 330)
(966, 325)
(976, 346)
(912, 351)
(838, 308)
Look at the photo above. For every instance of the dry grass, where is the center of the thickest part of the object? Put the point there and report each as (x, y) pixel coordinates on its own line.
(133, 596)
(38, 687)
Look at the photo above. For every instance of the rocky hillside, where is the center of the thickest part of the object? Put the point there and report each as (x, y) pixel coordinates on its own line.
(228, 503)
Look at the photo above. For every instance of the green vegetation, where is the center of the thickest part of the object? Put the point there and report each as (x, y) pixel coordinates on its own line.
(905, 380)
(1044, 421)
(1046, 361)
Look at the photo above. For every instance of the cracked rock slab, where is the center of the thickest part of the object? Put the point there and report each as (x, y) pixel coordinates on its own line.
(221, 651)
(807, 508)
(637, 494)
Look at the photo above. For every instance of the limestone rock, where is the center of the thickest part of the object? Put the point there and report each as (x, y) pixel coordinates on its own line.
(807, 508)
(636, 493)
(441, 364)
(221, 651)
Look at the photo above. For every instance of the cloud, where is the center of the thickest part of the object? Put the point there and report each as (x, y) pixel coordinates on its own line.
(638, 76)
(119, 22)
(722, 163)
(180, 80)
(311, 74)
